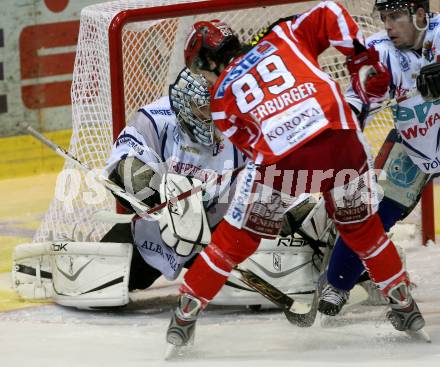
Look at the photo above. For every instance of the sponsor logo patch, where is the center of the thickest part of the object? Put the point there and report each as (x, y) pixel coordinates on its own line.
(293, 126)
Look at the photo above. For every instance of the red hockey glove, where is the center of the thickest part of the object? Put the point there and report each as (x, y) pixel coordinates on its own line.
(370, 78)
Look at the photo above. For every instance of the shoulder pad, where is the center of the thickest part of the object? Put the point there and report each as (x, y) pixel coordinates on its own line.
(379, 39)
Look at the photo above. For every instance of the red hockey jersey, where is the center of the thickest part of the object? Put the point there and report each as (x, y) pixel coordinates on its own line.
(275, 98)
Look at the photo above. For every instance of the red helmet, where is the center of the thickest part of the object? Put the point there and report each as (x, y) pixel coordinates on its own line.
(210, 37)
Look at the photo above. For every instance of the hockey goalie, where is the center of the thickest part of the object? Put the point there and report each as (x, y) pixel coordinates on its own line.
(169, 147)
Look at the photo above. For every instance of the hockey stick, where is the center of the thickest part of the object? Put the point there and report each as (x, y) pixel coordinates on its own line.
(142, 210)
(307, 319)
(394, 101)
(297, 313)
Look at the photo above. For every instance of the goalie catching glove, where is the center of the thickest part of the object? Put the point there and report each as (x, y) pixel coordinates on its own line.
(370, 78)
(183, 224)
(428, 81)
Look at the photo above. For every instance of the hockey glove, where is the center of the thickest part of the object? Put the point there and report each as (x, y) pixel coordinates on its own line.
(428, 81)
(370, 78)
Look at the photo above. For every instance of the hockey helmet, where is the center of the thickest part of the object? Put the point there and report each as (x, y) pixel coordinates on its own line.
(210, 39)
(189, 99)
(411, 5)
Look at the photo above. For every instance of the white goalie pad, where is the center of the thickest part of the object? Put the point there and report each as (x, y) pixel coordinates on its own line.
(76, 274)
(317, 225)
(288, 263)
(32, 271)
(183, 223)
(91, 274)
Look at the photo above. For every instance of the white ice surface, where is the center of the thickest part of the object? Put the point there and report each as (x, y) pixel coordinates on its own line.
(56, 336)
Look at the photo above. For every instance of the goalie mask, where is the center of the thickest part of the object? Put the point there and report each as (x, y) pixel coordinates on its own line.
(189, 99)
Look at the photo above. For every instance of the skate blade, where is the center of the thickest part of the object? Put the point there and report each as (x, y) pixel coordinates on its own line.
(175, 352)
(420, 335)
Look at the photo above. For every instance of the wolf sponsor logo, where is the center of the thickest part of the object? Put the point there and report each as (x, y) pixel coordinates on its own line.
(433, 165)
(416, 131)
(252, 58)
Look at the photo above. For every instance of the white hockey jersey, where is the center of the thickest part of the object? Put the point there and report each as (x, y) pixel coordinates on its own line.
(417, 121)
(154, 136)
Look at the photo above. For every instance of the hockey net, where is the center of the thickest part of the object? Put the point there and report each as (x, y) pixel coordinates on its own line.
(126, 60)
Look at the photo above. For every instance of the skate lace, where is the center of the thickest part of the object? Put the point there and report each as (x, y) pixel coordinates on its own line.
(334, 295)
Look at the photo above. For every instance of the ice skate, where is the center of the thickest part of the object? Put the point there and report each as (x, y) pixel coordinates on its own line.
(405, 314)
(180, 333)
(332, 300)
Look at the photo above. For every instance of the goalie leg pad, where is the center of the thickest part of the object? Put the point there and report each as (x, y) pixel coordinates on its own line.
(91, 274)
(401, 180)
(31, 271)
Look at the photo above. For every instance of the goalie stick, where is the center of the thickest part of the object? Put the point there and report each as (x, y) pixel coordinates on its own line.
(143, 210)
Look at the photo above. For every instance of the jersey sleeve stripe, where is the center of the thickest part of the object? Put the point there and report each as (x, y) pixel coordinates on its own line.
(229, 132)
(218, 115)
(325, 77)
(213, 266)
(347, 40)
(162, 150)
(151, 120)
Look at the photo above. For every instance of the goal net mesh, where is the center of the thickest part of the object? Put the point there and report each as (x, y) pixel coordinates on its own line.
(152, 56)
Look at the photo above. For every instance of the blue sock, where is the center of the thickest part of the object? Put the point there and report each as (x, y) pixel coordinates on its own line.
(345, 267)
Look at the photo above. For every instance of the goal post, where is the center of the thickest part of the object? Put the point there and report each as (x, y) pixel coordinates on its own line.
(128, 53)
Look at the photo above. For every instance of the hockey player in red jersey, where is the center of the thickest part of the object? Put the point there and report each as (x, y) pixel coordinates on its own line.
(275, 103)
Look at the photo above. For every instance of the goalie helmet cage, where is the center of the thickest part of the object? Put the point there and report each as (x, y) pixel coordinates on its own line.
(128, 52)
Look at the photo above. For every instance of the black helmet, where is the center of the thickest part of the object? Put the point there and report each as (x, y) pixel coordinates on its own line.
(411, 5)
